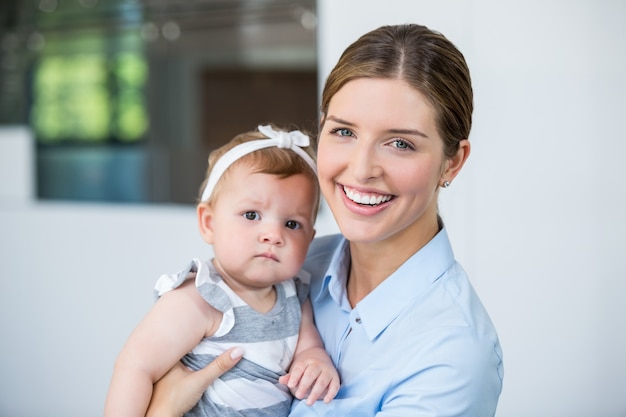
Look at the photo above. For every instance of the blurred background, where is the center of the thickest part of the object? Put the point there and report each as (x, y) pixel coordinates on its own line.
(108, 110)
(126, 97)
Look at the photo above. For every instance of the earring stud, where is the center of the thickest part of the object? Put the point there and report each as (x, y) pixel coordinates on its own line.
(446, 184)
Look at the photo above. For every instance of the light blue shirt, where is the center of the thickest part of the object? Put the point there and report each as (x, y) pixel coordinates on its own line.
(420, 344)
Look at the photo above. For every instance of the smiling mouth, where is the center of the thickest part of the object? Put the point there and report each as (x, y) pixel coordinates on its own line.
(366, 199)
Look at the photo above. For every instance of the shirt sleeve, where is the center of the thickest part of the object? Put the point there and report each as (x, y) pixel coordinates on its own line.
(168, 282)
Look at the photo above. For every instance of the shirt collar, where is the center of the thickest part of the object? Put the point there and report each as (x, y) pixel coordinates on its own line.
(335, 278)
(412, 279)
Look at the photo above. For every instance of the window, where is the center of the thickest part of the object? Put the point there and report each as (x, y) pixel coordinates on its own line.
(121, 94)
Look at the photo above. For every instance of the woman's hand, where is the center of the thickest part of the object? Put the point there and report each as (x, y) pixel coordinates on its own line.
(180, 388)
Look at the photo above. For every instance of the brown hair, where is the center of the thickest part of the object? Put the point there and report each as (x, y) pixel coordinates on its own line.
(424, 59)
(273, 160)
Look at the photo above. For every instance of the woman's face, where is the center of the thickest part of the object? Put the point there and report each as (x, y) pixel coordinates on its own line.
(380, 162)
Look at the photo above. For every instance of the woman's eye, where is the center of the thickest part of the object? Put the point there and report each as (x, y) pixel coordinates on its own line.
(402, 144)
(292, 224)
(251, 215)
(342, 132)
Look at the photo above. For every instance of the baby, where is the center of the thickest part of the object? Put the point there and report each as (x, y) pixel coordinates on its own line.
(257, 209)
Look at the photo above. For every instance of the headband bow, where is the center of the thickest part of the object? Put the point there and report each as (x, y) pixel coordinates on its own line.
(294, 140)
(285, 139)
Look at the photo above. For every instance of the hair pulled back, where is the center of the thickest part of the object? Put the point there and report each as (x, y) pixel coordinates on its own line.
(424, 59)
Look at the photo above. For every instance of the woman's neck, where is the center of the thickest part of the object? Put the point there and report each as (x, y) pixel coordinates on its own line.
(372, 263)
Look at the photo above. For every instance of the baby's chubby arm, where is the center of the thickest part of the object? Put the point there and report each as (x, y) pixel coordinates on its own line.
(175, 324)
(312, 371)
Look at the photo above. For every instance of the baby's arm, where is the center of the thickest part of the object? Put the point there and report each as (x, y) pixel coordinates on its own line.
(312, 371)
(176, 323)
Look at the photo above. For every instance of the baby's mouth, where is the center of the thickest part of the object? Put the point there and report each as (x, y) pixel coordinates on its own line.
(268, 255)
(369, 199)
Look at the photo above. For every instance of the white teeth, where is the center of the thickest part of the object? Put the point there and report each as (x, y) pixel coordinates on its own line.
(364, 199)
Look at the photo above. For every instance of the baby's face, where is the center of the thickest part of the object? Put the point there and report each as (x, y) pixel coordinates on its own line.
(261, 226)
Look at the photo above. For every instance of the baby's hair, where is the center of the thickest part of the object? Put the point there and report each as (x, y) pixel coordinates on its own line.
(273, 160)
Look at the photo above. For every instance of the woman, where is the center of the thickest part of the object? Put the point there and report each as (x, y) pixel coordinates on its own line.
(396, 312)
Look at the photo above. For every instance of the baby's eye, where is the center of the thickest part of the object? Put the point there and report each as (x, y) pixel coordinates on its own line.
(402, 144)
(251, 215)
(292, 224)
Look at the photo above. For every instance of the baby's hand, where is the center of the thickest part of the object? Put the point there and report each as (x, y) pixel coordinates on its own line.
(312, 375)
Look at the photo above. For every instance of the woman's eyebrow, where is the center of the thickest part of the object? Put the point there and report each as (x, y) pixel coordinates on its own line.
(408, 132)
(340, 121)
(393, 131)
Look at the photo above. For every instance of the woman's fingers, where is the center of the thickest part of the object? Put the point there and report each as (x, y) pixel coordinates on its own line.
(180, 388)
(223, 363)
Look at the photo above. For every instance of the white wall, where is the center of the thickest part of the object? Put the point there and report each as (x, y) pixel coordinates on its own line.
(537, 216)
(76, 279)
(537, 219)
(17, 171)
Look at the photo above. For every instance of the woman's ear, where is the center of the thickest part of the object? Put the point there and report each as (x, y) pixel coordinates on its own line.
(454, 164)
(205, 222)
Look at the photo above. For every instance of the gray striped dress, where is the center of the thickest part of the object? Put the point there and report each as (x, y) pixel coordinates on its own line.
(269, 340)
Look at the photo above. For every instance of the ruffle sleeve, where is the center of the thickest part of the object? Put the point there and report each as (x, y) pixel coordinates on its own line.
(209, 285)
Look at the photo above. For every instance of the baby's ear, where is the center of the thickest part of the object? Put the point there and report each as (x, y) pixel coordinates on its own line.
(205, 222)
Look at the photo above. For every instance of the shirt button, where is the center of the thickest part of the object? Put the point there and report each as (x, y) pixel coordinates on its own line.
(358, 320)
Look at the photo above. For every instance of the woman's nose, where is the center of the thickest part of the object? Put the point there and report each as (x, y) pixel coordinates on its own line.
(364, 163)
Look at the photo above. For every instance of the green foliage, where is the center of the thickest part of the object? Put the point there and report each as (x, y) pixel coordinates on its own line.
(90, 97)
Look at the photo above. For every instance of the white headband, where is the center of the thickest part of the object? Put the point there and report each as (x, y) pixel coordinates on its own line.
(294, 140)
